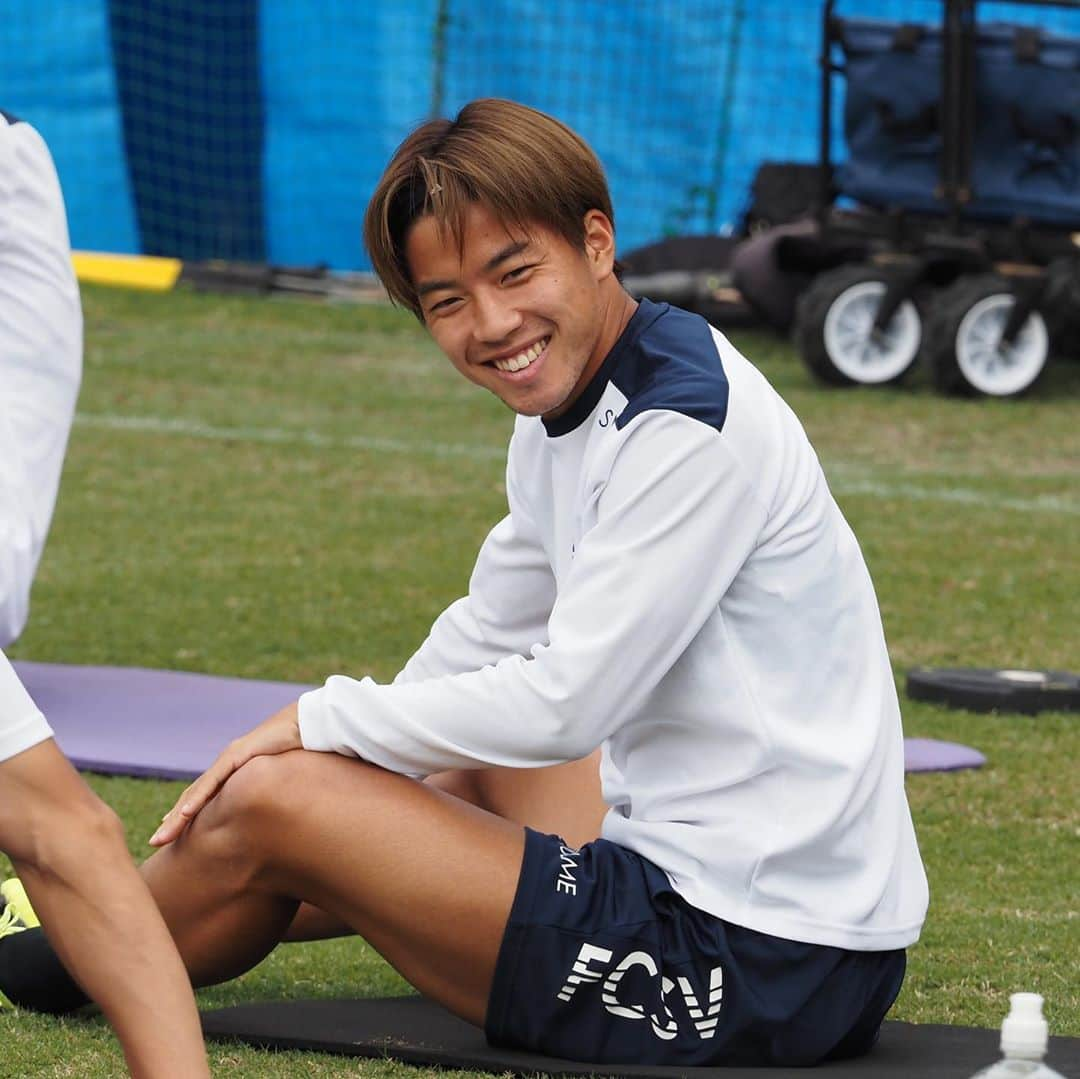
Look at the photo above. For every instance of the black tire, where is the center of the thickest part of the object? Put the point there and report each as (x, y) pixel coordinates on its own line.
(818, 343)
(982, 690)
(959, 328)
(1061, 307)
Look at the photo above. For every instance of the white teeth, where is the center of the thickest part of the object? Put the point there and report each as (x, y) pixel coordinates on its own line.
(522, 359)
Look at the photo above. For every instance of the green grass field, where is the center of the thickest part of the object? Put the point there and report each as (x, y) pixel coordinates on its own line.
(280, 489)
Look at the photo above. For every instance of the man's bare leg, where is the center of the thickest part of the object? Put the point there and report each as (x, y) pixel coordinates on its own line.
(562, 800)
(68, 848)
(426, 878)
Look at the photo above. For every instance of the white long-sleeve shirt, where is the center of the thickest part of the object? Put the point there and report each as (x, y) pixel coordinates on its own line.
(40, 360)
(21, 723)
(675, 583)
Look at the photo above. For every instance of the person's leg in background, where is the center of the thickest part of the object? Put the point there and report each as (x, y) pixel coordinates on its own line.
(68, 849)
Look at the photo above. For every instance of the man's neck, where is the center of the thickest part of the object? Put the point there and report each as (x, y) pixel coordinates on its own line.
(619, 307)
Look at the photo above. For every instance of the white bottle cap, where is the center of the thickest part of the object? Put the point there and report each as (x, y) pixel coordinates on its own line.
(1024, 1033)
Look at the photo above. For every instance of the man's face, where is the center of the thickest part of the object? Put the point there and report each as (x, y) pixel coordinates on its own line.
(521, 314)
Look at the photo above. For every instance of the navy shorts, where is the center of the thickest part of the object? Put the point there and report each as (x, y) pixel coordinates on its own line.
(603, 962)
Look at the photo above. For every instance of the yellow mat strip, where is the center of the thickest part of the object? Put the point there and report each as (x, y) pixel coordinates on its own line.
(130, 271)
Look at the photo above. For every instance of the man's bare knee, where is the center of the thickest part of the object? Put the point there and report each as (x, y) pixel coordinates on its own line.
(248, 829)
(265, 794)
(255, 790)
(223, 840)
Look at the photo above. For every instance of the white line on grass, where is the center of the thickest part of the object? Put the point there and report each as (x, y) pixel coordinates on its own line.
(159, 425)
(844, 478)
(963, 495)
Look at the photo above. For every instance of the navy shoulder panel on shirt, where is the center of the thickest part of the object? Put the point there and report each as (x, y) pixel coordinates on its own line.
(673, 364)
(665, 358)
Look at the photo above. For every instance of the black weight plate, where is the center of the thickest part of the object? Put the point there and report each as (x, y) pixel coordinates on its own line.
(996, 690)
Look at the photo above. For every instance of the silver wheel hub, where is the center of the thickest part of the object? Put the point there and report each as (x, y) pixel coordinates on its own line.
(992, 366)
(860, 352)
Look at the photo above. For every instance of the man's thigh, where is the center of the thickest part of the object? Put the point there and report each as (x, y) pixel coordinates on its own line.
(425, 878)
(562, 800)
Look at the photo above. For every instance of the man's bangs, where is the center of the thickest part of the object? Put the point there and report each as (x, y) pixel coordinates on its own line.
(449, 194)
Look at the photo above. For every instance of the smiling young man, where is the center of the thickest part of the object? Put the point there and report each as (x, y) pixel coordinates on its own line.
(670, 641)
(536, 355)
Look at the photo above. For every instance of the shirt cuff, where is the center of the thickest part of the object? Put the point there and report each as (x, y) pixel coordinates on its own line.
(312, 719)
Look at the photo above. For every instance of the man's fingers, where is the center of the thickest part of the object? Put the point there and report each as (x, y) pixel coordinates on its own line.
(170, 827)
(194, 798)
(280, 733)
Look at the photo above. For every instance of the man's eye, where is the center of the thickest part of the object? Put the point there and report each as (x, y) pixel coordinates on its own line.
(443, 305)
(517, 273)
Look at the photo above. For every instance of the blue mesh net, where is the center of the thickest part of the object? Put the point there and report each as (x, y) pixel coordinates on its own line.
(256, 129)
(187, 73)
(57, 73)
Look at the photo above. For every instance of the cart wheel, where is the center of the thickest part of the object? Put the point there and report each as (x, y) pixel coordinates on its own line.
(963, 340)
(834, 329)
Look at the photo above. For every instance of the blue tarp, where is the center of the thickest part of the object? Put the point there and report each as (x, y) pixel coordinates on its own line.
(57, 73)
(1026, 138)
(682, 100)
(343, 88)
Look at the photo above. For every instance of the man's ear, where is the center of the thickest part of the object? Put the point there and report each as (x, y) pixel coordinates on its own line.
(599, 243)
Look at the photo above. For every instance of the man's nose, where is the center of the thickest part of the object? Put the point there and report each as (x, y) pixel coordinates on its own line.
(496, 318)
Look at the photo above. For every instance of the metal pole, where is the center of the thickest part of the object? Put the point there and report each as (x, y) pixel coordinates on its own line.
(957, 104)
(825, 193)
(438, 58)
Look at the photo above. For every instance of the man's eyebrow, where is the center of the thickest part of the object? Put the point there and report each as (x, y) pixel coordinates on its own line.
(508, 252)
(434, 286)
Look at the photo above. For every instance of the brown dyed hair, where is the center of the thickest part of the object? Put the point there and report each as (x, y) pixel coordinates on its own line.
(523, 165)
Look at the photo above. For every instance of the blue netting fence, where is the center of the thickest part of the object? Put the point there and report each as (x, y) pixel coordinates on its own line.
(256, 129)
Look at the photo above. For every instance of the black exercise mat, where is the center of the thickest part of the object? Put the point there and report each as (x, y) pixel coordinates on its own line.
(417, 1031)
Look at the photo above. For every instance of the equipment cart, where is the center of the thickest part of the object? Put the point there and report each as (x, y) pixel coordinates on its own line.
(952, 231)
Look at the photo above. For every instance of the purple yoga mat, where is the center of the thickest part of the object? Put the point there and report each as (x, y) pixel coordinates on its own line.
(137, 722)
(930, 755)
(172, 724)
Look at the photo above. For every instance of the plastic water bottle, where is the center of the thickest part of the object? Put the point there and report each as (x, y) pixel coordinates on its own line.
(1024, 1038)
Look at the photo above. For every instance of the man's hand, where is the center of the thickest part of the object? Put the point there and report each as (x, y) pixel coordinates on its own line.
(278, 734)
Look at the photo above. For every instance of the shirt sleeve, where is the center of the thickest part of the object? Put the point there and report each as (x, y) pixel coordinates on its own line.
(511, 593)
(677, 518)
(21, 723)
(20, 545)
(41, 331)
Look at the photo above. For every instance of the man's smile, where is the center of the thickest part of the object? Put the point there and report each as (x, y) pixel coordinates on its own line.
(524, 360)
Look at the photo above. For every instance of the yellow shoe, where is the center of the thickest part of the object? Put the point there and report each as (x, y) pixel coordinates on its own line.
(16, 916)
(15, 898)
